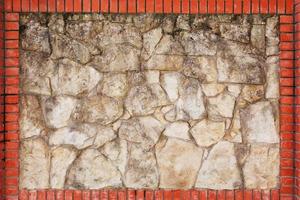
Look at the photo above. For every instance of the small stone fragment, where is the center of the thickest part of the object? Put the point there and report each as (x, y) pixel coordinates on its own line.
(252, 93)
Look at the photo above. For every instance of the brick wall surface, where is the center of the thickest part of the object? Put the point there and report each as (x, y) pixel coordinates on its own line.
(289, 11)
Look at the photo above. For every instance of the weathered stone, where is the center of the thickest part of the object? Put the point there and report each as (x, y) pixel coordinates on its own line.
(61, 159)
(57, 110)
(261, 169)
(91, 170)
(202, 68)
(117, 58)
(237, 63)
(34, 169)
(99, 109)
(56, 24)
(146, 22)
(258, 37)
(152, 76)
(221, 105)
(212, 176)
(64, 47)
(35, 37)
(83, 30)
(272, 88)
(171, 81)
(258, 123)
(182, 22)
(144, 99)
(168, 24)
(252, 93)
(199, 43)
(104, 135)
(234, 89)
(190, 105)
(74, 79)
(141, 169)
(114, 85)
(178, 130)
(207, 133)
(150, 41)
(236, 32)
(143, 130)
(234, 133)
(31, 120)
(178, 163)
(212, 89)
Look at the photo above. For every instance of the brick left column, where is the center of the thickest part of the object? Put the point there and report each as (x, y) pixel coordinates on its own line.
(2, 147)
(11, 104)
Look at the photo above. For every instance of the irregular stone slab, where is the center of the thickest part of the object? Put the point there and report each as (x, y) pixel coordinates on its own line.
(64, 47)
(152, 76)
(178, 162)
(169, 46)
(236, 32)
(35, 37)
(146, 22)
(190, 104)
(178, 130)
(144, 99)
(171, 82)
(202, 68)
(199, 43)
(150, 41)
(61, 159)
(99, 109)
(143, 130)
(212, 176)
(141, 170)
(57, 110)
(34, 169)
(258, 37)
(258, 123)
(272, 88)
(104, 135)
(83, 30)
(239, 63)
(182, 22)
(221, 105)
(257, 176)
(117, 58)
(252, 93)
(212, 89)
(207, 132)
(91, 170)
(235, 132)
(31, 123)
(74, 79)
(115, 85)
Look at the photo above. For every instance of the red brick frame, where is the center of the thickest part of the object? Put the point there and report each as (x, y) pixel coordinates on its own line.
(288, 10)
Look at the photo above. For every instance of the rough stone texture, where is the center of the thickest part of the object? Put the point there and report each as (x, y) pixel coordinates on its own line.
(149, 101)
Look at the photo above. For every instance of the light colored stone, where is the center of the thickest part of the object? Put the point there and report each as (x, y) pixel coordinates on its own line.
(141, 169)
(164, 62)
(202, 68)
(61, 159)
(261, 169)
(190, 105)
(234, 134)
(234, 89)
(104, 135)
(144, 99)
(182, 22)
(258, 123)
(150, 41)
(221, 105)
(258, 37)
(91, 170)
(34, 168)
(212, 89)
(252, 93)
(171, 82)
(178, 130)
(220, 170)
(57, 110)
(74, 79)
(99, 109)
(207, 133)
(114, 85)
(178, 163)
(152, 76)
(31, 123)
(272, 88)
(146, 22)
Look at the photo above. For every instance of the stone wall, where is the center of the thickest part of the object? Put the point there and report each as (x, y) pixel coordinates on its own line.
(149, 101)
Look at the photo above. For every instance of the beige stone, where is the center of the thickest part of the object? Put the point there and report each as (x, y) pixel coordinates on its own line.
(150, 41)
(178, 163)
(171, 82)
(178, 130)
(252, 93)
(114, 85)
(221, 105)
(207, 133)
(220, 170)
(258, 37)
(236, 32)
(212, 89)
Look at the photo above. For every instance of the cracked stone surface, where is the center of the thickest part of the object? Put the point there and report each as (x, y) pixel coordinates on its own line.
(149, 101)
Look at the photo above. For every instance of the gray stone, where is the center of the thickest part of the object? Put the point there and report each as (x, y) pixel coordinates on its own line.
(258, 37)
(236, 32)
(178, 162)
(146, 22)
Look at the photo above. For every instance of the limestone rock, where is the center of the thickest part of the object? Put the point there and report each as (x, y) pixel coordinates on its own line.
(57, 110)
(171, 82)
(258, 123)
(61, 158)
(236, 32)
(212, 89)
(141, 170)
(261, 169)
(34, 169)
(202, 68)
(212, 176)
(178, 162)
(100, 109)
(182, 22)
(272, 88)
(144, 99)
(91, 170)
(74, 79)
(146, 22)
(104, 135)
(258, 37)
(114, 85)
(221, 105)
(252, 93)
(235, 132)
(150, 41)
(152, 76)
(64, 47)
(178, 130)
(208, 132)
(31, 123)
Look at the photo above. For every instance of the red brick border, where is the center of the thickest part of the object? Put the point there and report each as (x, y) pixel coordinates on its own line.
(288, 10)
